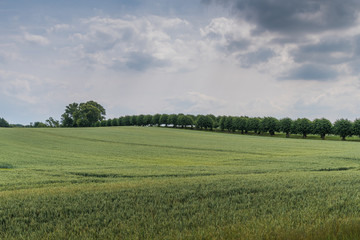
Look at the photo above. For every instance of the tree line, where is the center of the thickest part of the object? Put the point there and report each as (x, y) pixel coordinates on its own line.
(243, 124)
(92, 114)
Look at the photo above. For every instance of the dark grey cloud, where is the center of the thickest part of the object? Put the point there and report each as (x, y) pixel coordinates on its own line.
(293, 16)
(315, 72)
(329, 51)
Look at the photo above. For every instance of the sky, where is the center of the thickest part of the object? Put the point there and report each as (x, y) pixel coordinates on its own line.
(282, 58)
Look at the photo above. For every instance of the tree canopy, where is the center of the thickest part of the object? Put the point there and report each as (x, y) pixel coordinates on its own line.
(83, 114)
(343, 128)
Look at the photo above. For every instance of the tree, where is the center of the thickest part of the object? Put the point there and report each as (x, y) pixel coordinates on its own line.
(164, 119)
(68, 119)
(126, 121)
(115, 122)
(254, 124)
(140, 120)
(241, 124)
(270, 124)
(356, 127)
(303, 126)
(51, 122)
(173, 119)
(156, 120)
(148, 120)
(184, 120)
(222, 123)
(343, 128)
(4, 123)
(133, 120)
(322, 127)
(214, 123)
(204, 122)
(229, 124)
(39, 125)
(82, 115)
(103, 123)
(109, 122)
(285, 125)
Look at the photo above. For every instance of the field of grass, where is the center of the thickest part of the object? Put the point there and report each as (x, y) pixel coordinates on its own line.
(159, 183)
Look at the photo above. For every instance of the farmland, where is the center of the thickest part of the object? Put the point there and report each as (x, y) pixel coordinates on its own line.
(160, 183)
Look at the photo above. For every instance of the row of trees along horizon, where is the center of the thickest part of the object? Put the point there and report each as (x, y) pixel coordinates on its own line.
(92, 114)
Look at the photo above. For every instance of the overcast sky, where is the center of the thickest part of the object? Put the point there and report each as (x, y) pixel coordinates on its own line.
(283, 58)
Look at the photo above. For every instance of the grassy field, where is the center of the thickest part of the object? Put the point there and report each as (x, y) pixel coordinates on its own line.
(158, 183)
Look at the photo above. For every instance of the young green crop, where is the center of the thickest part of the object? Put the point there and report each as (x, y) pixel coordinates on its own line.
(159, 183)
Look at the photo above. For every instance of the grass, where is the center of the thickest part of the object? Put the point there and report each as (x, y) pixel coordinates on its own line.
(158, 183)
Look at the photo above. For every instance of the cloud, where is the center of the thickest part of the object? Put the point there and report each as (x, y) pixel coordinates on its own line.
(18, 86)
(37, 39)
(59, 27)
(327, 50)
(136, 43)
(311, 72)
(227, 34)
(295, 17)
(259, 56)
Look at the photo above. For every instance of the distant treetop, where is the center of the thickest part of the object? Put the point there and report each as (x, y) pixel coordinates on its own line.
(83, 114)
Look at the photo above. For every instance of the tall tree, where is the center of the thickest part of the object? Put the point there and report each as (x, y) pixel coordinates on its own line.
(241, 124)
(270, 124)
(285, 125)
(343, 128)
(303, 126)
(322, 127)
(83, 114)
(89, 113)
(69, 118)
(203, 121)
(185, 120)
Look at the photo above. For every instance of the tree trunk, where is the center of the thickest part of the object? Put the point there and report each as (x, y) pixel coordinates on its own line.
(323, 136)
(343, 138)
(287, 135)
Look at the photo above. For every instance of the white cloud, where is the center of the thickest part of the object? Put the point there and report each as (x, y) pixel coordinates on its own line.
(58, 28)
(161, 39)
(37, 39)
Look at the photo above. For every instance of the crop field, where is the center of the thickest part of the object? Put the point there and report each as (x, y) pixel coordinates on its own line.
(160, 183)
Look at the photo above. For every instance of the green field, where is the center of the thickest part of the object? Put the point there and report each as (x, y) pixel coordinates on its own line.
(159, 183)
